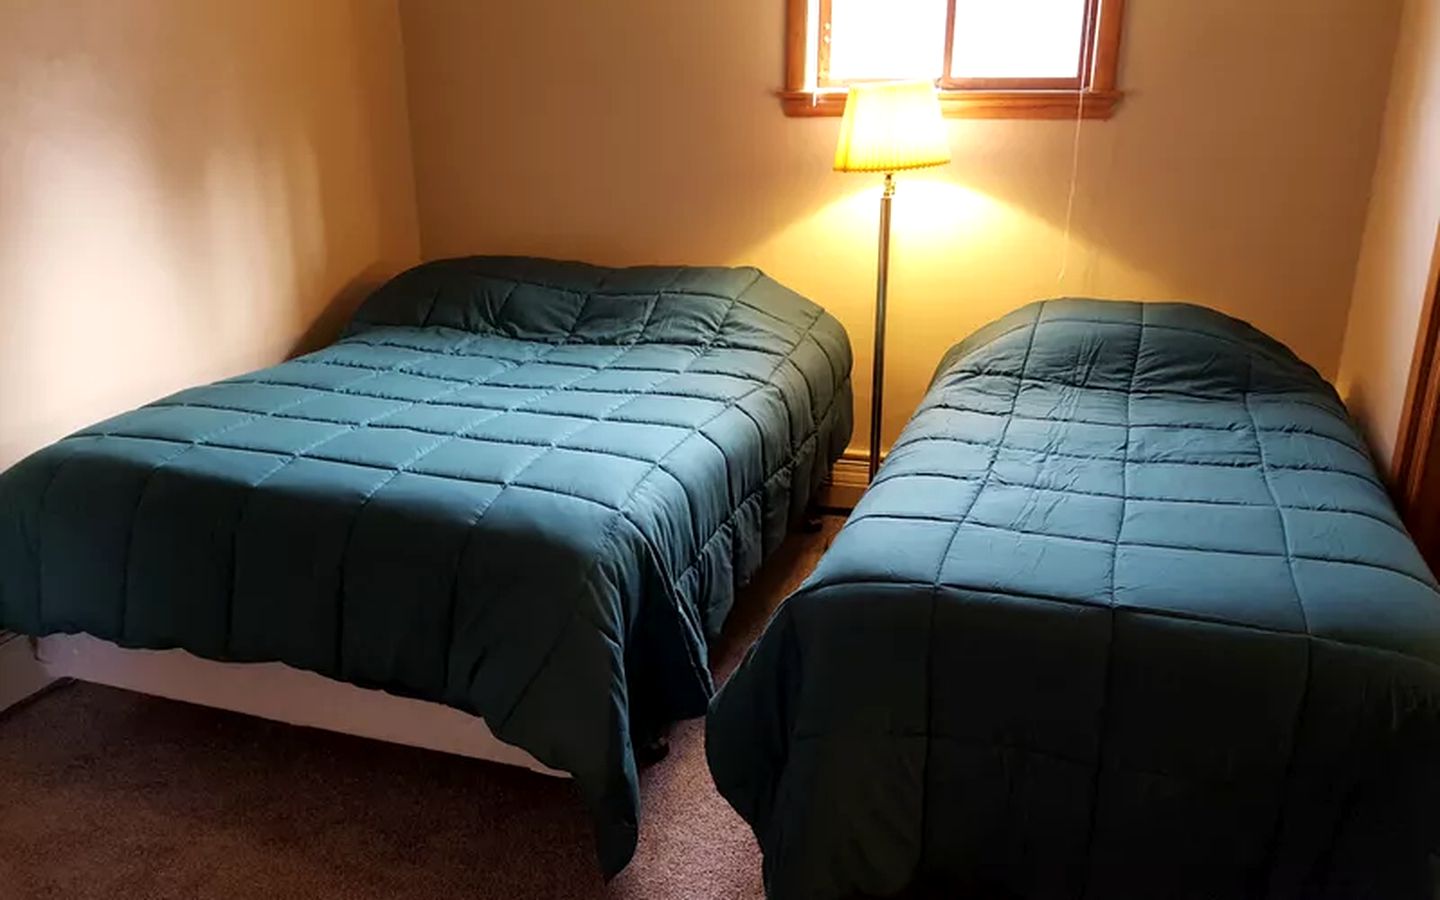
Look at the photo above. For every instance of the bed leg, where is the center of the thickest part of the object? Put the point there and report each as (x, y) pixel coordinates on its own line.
(651, 747)
(812, 521)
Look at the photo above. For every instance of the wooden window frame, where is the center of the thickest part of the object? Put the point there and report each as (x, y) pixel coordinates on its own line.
(1092, 94)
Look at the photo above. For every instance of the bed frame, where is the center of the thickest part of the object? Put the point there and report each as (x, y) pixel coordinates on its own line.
(282, 694)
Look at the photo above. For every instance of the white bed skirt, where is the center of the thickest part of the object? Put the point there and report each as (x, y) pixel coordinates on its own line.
(278, 692)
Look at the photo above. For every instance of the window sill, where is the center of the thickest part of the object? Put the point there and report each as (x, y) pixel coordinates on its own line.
(1037, 104)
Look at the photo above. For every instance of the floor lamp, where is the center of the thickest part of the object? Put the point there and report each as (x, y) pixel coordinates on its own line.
(888, 127)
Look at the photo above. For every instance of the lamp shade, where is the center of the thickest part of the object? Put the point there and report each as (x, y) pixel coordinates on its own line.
(889, 126)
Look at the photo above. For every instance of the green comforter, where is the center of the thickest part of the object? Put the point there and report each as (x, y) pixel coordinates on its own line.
(525, 489)
(1127, 614)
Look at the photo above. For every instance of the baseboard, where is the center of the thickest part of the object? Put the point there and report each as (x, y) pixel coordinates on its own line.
(847, 481)
(21, 675)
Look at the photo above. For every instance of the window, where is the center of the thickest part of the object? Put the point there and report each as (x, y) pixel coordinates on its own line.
(990, 58)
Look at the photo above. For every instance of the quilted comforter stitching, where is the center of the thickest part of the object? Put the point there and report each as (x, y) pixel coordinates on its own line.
(1122, 552)
(449, 410)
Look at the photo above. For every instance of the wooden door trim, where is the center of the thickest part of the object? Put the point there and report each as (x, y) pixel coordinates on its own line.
(1416, 442)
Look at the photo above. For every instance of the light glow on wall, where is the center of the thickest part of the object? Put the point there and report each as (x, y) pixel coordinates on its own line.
(953, 268)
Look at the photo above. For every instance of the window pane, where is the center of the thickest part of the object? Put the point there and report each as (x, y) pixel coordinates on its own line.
(872, 39)
(1017, 38)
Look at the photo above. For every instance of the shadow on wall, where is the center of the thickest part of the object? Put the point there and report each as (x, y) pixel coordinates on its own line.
(187, 191)
(1392, 279)
(330, 321)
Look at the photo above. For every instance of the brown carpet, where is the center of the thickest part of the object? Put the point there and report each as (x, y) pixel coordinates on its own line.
(108, 794)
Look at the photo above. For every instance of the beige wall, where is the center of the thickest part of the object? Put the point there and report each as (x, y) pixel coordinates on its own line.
(187, 190)
(1235, 174)
(1400, 236)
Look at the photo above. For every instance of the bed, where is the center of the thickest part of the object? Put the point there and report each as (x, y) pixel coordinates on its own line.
(1126, 614)
(520, 488)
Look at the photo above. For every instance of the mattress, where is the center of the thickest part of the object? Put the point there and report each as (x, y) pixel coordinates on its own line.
(522, 488)
(1127, 613)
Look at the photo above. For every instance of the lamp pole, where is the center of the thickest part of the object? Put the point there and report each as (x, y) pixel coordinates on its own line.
(888, 126)
(882, 283)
